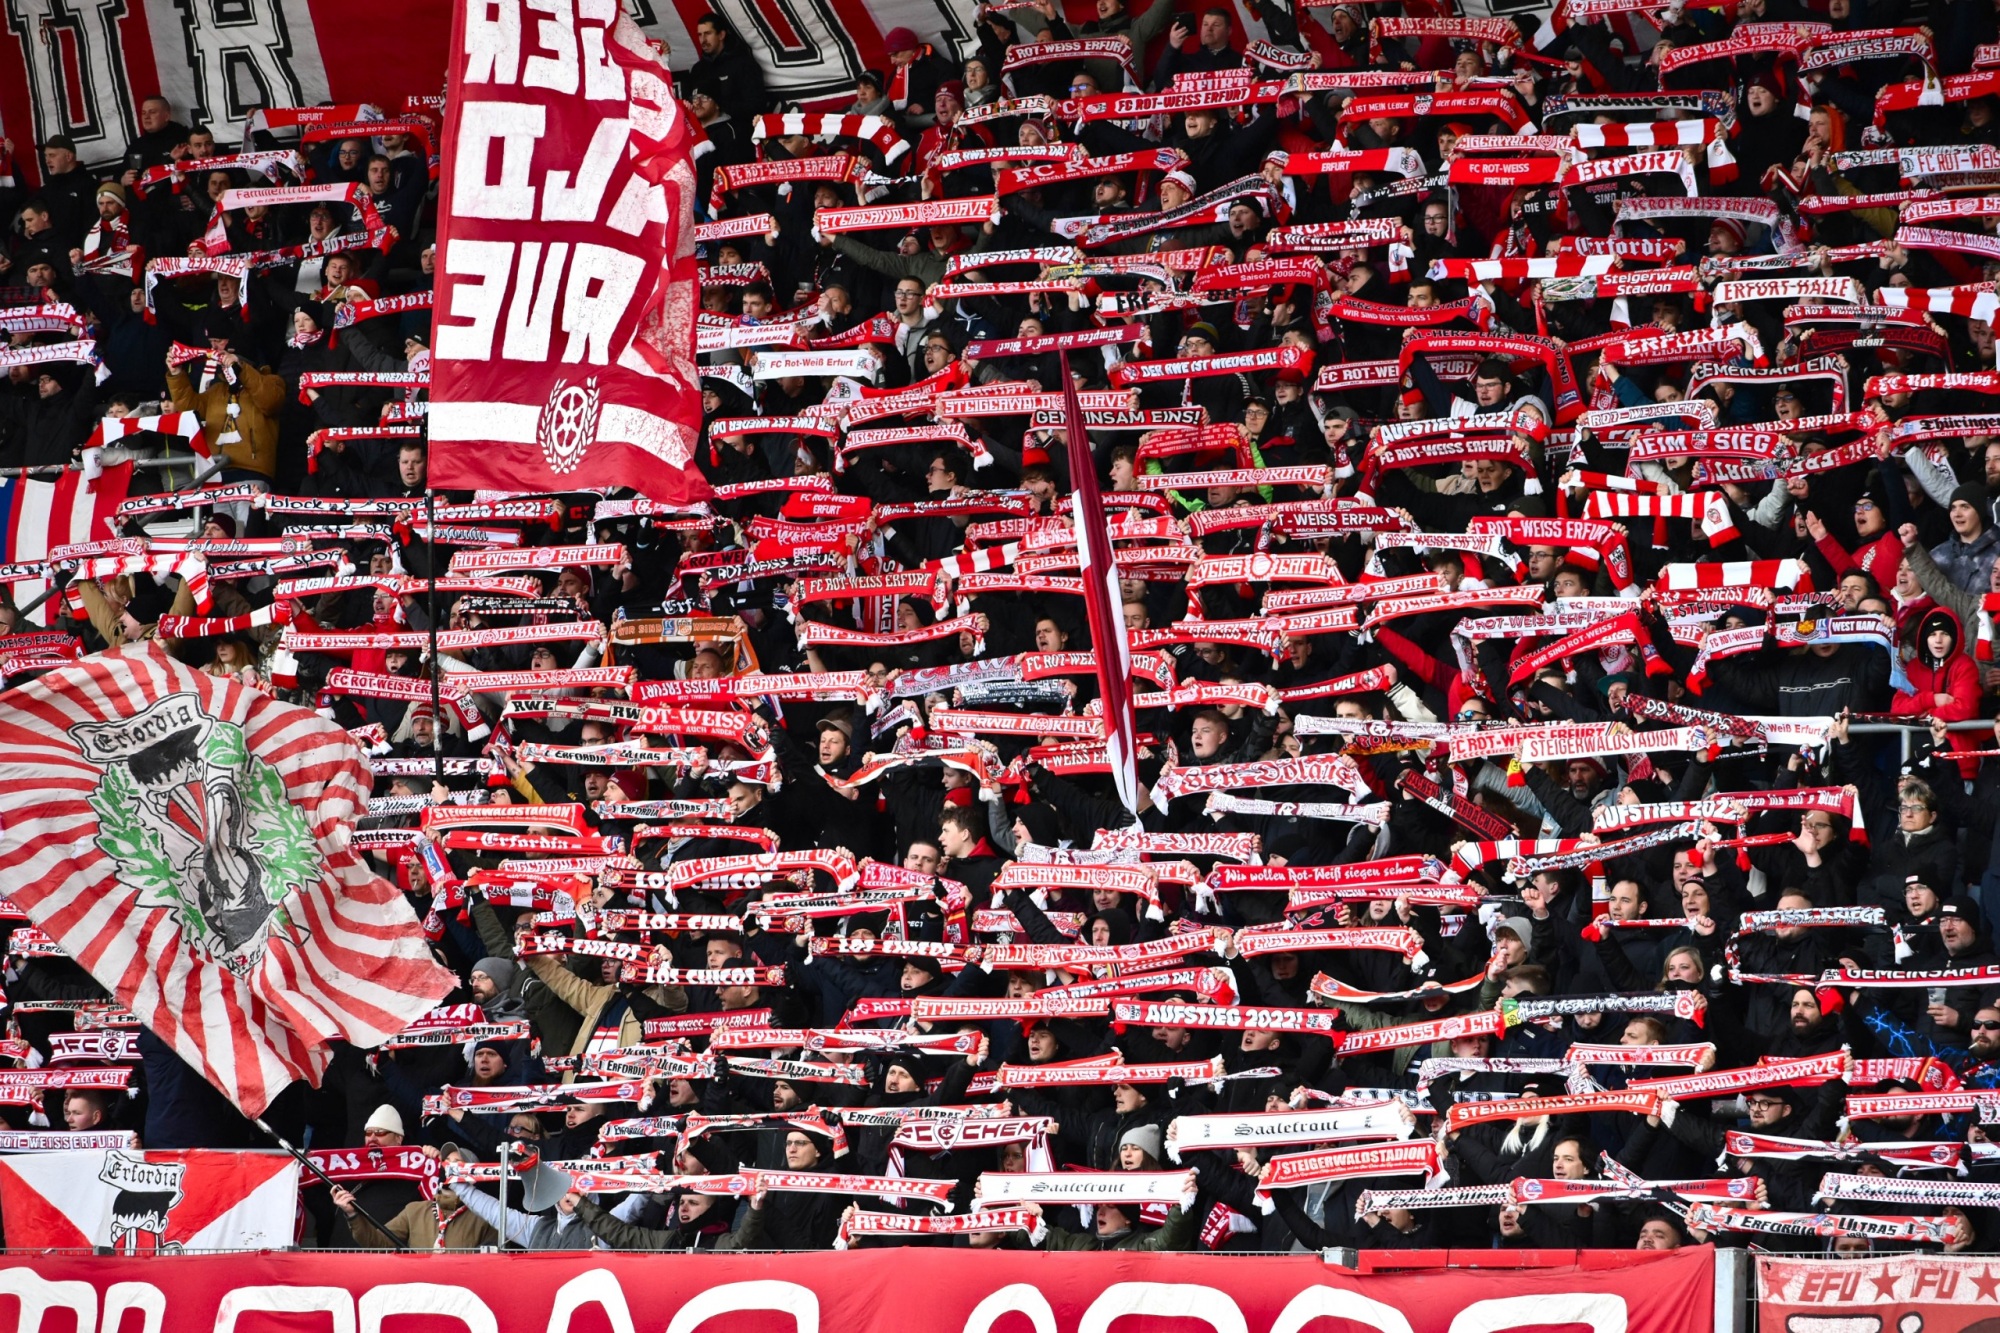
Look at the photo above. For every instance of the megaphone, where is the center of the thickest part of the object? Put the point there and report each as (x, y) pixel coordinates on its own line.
(542, 1187)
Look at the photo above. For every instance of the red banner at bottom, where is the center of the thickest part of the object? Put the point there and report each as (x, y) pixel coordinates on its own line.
(863, 1291)
(1933, 1292)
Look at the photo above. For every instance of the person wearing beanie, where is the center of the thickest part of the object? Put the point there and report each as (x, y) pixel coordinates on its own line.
(382, 1198)
(1727, 236)
(1967, 557)
(869, 97)
(914, 75)
(1140, 1147)
(922, 975)
(492, 984)
(111, 234)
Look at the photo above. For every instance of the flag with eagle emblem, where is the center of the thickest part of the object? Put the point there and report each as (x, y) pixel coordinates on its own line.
(184, 837)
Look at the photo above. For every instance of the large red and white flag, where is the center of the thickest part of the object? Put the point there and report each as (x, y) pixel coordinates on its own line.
(566, 278)
(42, 515)
(145, 1202)
(1103, 603)
(185, 838)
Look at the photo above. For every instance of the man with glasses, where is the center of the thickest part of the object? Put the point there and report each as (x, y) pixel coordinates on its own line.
(1798, 1113)
(914, 320)
(1982, 1065)
(1920, 847)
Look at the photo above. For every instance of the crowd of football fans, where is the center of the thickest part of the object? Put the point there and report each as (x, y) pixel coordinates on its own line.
(1902, 533)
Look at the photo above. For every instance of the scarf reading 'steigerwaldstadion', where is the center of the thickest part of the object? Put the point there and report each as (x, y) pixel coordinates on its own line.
(1297, 1170)
(1802, 1073)
(1464, 1114)
(929, 213)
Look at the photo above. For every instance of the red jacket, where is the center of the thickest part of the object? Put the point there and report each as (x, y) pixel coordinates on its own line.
(1878, 557)
(1953, 675)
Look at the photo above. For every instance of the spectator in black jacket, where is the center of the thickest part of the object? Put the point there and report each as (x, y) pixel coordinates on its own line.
(729, 68)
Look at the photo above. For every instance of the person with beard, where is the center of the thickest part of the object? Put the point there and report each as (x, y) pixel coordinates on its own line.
(1783, 1112)
(1813, 1029)
(382, 1198)
(439, 1223)
(1961, 943)
(1785, 951)
(812, 805)
(492, 984)
(1980, 1066)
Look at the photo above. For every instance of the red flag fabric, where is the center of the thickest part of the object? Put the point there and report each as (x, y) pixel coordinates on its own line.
(185, 838)
(566, 279)
(1103, 603)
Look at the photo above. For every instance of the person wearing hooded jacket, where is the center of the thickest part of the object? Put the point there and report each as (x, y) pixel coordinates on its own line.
(1944, 683)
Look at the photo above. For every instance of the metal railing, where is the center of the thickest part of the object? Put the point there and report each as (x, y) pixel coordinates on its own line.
(1915, 729)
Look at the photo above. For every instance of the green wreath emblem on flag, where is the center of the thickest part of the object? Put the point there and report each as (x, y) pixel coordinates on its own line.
(199, 826)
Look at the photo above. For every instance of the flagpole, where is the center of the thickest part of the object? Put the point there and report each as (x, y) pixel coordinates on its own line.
(1105, 609)
(431, 614)
(312, 1166)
